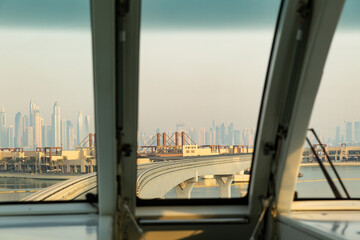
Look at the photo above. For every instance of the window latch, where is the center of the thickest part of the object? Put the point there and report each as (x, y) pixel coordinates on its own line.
(126, 149)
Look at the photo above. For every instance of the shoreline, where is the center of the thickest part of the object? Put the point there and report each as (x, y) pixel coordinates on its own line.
(36, 176)
(334, 163)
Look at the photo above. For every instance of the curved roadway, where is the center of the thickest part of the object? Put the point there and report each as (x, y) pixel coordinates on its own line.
(154, 180)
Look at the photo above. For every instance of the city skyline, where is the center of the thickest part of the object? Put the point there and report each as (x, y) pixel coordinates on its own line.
(217, 133)
(30, 130)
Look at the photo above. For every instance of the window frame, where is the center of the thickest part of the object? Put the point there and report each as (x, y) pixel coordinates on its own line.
(102, 96)
(244, 201)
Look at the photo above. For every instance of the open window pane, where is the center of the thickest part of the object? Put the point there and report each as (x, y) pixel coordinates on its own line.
(47, 138)
(202, 71)
(336, 117)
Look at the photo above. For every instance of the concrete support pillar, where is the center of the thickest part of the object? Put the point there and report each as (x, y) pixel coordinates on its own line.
(182, 138)
(158, 139)
(164, 139)
(177, 135)
(224, 182)
(185, 192)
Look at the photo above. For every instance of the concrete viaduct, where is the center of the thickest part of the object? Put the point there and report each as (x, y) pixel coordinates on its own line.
(156, 179)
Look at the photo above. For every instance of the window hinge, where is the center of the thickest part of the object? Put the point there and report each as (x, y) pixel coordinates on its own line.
(265, 202)
(269, 148)
(127, 218)
(123, 7)
(126, 149)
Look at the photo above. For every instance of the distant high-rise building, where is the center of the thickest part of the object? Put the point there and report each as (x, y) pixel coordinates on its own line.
(80, 128)
(217, 136)
(11, 136)
(349, 138)
(30, 137)
(87, 125)
(56, 125)
(337, 136)
(64, 134)
(207, 138)
(3, 129)
(32, 113)
(200, 136)
(247, 137)
(25, 125)
(37, 130)
(180, 127)
(222, 134)
(237, 137)
(357, 132)
(252, 137)
(18, 130)
(230, 135)
(212, 136)
(70, 135)
(46, 136)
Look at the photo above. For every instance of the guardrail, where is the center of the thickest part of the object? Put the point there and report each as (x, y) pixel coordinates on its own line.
(152, 171)
(66, 190)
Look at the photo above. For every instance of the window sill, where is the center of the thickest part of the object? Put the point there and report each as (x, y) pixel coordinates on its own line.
(322, 205)
(49, 208)
(54, 227)
(320, 225)
(192, 212)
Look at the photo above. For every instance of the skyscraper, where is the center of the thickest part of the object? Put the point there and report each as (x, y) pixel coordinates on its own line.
(46, 136)
(3, 130)
(207, 137)
(64, 134)
(37, 130)
(87, 125)
(11, 136)
(25, 125)
(357, 132)
(236, 137)
(32, 113)
(18, 130)
(80, 128)
(222, 134)
(337, 136)
(349, 138)
(56, 125)
(70, 135)
(230, 135)
(30, 137)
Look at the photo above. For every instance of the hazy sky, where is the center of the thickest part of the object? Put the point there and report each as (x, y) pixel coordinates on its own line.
(212, 65)
(201, 60)
(46, 55)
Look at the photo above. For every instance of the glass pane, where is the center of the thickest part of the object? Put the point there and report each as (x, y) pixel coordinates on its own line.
(47, 112)
(202, 70)
(335, 116)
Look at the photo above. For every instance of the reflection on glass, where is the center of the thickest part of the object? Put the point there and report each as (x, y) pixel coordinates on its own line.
(336, 117)
(202, 70)
(46, 104)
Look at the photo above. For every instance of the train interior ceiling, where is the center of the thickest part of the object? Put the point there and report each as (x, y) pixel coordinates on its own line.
(130, 201)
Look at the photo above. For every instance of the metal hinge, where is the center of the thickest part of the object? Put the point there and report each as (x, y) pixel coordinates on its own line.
(127, 219)
(123, 7)
(265, 203)
(270, 147)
